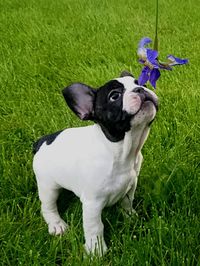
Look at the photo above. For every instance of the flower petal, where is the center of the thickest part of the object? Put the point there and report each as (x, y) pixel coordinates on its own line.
(165, 66)
(152, 57)
(141, 61)
(144, 41)
(144, 76)
(154, 76)
(142, 51)
(176, 61)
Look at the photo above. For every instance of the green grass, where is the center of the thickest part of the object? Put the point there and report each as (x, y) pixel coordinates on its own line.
(44, 46)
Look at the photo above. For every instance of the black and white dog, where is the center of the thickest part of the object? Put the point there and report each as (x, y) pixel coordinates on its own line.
(99, 163)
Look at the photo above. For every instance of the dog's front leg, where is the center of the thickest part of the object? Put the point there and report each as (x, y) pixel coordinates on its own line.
(127, 201)
(93, 228)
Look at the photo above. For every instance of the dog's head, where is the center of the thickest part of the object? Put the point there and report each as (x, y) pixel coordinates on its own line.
(117, 106)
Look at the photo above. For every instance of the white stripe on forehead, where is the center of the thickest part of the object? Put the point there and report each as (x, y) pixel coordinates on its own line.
(128, 82)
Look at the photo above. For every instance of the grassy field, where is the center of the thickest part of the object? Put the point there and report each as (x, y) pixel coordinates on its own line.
(44, 46)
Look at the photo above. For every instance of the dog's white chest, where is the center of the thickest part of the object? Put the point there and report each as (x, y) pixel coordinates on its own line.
(119, 184)
(90, 171)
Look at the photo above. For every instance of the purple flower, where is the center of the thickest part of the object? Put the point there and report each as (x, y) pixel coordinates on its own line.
(149, 58)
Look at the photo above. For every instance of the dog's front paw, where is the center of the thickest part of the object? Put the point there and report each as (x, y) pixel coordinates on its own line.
(132, 212)
(57, 228)
(96, 248)
(129, 212)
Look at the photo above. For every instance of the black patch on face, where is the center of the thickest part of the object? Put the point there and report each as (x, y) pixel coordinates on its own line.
(48, 139)
(108, 111)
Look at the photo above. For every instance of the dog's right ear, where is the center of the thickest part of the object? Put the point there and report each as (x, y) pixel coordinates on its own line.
(80, 98)
(126, 73)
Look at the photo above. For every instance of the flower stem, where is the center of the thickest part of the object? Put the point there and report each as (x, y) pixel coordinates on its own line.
(156, 30)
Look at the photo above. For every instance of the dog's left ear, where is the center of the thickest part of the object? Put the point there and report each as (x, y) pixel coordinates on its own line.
(80, 98)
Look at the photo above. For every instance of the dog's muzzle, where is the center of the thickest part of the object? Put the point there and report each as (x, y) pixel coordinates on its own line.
(147, 96)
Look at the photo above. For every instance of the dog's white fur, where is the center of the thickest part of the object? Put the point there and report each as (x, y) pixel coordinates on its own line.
(98, 171)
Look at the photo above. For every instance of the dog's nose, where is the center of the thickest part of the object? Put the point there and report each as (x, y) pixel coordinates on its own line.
(138, 90)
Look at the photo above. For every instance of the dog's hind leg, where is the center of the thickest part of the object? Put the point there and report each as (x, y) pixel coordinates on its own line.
(48, 196)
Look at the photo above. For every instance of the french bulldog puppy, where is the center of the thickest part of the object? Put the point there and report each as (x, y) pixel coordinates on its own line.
(100, 163)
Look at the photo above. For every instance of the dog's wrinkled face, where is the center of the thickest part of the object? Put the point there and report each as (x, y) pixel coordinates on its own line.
(139, 101)
(116, 106)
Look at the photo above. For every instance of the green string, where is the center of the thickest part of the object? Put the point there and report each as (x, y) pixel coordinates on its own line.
(156, 31)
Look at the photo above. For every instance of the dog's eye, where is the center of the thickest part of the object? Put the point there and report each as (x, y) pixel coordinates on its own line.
(114, 96)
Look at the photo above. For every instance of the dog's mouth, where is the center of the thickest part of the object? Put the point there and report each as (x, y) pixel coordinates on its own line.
(147, 97)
